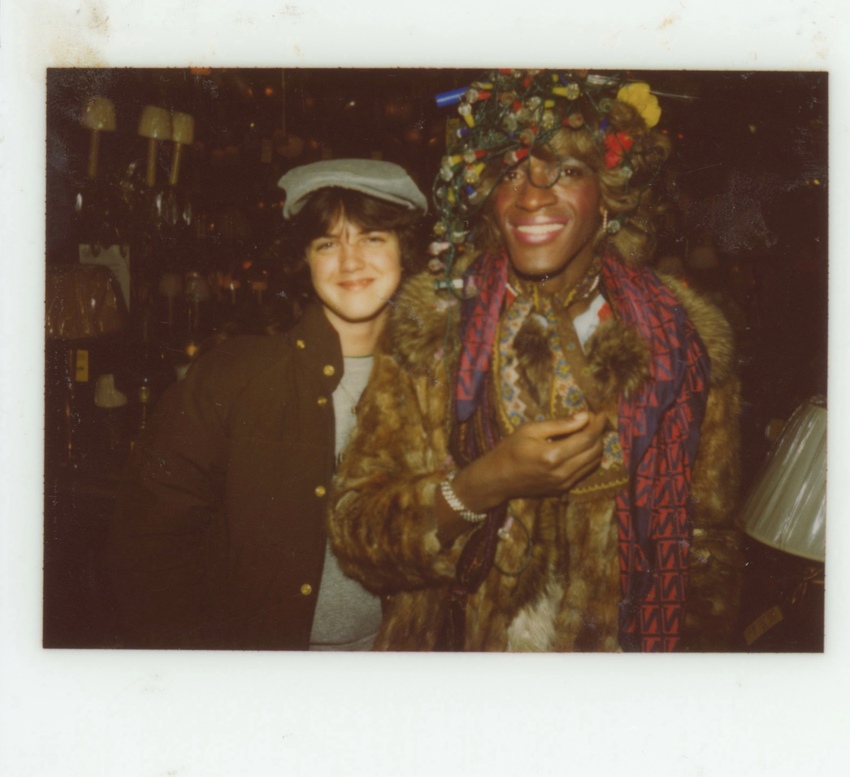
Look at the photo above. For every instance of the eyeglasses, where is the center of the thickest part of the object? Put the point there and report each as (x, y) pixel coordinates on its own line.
(544, 169)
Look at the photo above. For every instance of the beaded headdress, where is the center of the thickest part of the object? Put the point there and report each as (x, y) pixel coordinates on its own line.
(506, 116)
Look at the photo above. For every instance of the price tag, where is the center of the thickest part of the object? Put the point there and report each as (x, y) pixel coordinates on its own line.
(764, 622)
(81, 366)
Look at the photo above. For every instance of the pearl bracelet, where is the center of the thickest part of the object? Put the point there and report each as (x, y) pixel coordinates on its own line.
(452, 499)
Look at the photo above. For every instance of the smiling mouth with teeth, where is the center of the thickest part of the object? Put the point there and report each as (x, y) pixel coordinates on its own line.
(538, 229)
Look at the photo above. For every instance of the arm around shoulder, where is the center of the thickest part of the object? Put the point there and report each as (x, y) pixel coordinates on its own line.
(382, 524)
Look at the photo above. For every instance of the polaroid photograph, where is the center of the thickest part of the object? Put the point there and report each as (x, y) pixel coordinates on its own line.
(361, 361)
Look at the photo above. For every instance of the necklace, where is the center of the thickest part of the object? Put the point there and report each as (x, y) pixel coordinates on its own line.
(586, 285)
(582, 290)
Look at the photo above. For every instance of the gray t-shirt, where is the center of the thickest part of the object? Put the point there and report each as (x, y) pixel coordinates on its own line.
(347, 615)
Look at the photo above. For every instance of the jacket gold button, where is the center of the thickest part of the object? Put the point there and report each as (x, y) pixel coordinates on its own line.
(306, 589)
(300, 344)
(320, 491)
(328, 370)
(322, 401)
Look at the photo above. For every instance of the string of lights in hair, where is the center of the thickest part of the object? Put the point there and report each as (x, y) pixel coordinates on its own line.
(509, 114)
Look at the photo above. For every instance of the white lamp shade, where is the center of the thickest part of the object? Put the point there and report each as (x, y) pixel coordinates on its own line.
(106, 394)
(155, 123)
(99, 114)
(183, 128)
(787, 508)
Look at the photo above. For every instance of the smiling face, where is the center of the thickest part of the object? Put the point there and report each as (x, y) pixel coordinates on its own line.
(548, 230)
(355, 272)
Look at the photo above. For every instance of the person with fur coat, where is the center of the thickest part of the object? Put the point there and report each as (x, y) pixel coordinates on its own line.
(546, 457)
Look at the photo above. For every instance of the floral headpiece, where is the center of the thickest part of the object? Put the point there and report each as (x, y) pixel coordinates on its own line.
(508, 114)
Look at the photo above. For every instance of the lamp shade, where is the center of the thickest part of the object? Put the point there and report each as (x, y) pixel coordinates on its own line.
(99, 114)
(786, 509)
(182, 128)
(106, 395)
(155, 123)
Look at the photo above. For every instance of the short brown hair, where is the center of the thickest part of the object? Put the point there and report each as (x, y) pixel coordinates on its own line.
(322, 210)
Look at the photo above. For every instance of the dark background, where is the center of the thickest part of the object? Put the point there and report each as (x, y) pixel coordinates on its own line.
(749, 172)
(750, 169)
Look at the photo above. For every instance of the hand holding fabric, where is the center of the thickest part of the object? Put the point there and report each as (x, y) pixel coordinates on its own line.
(542, 458)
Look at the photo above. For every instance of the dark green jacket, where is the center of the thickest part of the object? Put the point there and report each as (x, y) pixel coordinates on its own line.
(219, 538)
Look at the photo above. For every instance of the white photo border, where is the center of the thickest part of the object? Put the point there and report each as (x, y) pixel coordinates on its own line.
(133, 713)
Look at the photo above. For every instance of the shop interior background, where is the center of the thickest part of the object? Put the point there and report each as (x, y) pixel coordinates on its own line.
(745, 218)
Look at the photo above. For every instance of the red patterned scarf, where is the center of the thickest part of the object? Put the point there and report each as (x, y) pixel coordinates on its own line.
(659, 431)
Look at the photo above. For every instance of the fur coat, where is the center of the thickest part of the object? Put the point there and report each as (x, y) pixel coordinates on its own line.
(554, 586)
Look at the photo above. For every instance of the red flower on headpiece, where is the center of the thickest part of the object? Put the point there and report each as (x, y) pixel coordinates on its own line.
(616, 145)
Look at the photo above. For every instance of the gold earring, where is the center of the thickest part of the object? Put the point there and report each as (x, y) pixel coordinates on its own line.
(605, 219)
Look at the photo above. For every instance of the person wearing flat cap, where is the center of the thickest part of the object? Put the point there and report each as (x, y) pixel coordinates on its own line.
(219, 540)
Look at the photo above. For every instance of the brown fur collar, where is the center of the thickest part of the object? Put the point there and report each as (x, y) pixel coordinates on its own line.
(618, 355)
(712, 326)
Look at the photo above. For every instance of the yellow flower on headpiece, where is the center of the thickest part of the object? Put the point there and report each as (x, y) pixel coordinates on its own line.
(639, 97)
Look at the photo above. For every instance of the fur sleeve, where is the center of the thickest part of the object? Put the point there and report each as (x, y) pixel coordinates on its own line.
(381, 525)
(716, 557)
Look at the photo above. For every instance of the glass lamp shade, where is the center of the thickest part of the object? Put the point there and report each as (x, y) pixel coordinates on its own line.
(786, 509)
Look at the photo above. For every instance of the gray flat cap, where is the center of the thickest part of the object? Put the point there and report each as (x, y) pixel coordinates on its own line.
(384, 180)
